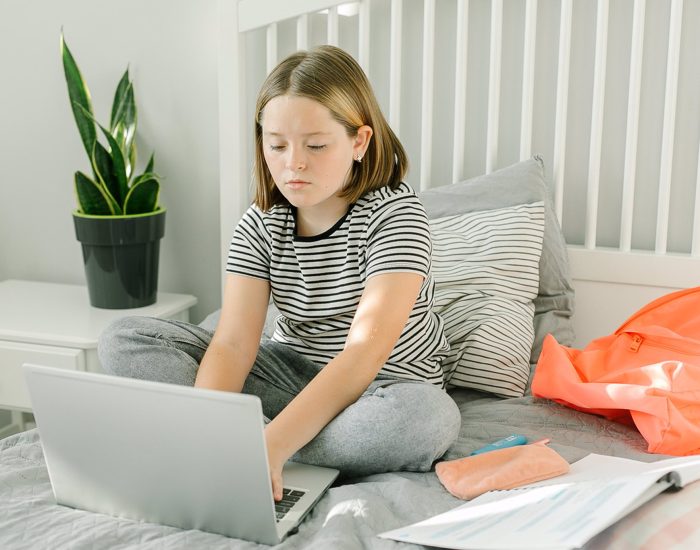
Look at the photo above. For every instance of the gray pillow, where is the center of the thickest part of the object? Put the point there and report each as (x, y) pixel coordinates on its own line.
(521, 183)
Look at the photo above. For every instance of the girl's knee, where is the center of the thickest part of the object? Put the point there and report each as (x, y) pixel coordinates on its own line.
(113, 345)
(153, 349)
(425, 422)
(449, 424)
(400, 426)
(431, 423)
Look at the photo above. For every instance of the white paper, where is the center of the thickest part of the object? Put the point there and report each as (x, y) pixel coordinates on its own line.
(598, 467)
(563, 512)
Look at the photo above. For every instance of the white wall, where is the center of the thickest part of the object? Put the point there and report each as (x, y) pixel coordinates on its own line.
(171, 49)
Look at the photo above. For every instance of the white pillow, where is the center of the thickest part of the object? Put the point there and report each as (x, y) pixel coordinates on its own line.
(486, 269)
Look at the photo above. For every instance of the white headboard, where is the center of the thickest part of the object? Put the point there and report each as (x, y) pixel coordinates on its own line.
(607, 93)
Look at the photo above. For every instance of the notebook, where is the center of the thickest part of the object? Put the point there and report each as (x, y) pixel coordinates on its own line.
(557, 513)
(163, 453)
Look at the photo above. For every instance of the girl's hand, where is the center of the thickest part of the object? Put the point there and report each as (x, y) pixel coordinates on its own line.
(277, 482)
(275, 462)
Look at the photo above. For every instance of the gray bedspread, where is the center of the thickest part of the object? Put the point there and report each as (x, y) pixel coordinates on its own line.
(348, 517)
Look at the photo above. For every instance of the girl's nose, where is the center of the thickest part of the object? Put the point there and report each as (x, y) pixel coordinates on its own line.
(296, 160)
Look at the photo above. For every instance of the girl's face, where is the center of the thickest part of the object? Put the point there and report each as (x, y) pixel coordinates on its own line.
(309, 154)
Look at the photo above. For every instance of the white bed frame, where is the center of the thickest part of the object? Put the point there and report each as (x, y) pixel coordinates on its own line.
(593, 87)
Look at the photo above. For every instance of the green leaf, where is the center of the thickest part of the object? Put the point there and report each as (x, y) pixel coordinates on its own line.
(132, 156)
(142, 197)
(151, 161)
(119, 98)
(123, 124)
(117, 160)
(119, 165)
(145, 176)
(91, 197)
(79, 98)
(103, 166)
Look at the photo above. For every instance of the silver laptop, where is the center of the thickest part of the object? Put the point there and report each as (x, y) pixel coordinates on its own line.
(168, 454)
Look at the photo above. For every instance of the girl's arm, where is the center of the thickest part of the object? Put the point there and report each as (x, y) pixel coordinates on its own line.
(234, 346)
(386, 303)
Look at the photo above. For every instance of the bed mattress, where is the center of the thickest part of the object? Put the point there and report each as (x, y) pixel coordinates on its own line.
(351, 515)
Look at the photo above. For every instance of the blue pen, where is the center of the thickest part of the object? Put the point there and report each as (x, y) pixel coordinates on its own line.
(510, 441)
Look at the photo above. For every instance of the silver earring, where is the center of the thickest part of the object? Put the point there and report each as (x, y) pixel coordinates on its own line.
(358, 158)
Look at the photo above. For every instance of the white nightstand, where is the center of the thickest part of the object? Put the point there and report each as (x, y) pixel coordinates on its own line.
(55, 325)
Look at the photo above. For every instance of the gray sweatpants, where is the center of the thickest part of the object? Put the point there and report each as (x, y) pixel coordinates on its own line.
(395, 424)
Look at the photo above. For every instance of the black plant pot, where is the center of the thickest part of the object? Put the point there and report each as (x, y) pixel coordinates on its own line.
(121, 257)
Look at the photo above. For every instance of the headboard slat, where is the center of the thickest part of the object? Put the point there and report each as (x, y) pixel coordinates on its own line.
(395, 51)
(364, 35)
(632, 132)
(494, 105)
(563, 65)
(233, 161)
(529, 51)
(460, 106)
(669, 130)
(426, 142)
(596, 141)
(332, 27)
(271, 46)
(303, 32)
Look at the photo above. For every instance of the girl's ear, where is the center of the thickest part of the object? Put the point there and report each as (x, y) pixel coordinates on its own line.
(364, 134)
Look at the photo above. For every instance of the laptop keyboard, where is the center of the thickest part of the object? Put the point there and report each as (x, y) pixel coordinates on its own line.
(289, 499)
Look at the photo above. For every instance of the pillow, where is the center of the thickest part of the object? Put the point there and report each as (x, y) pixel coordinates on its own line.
(521, 183)
(486, 270)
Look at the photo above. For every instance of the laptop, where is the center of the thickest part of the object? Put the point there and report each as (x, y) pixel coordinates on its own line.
(161, 453)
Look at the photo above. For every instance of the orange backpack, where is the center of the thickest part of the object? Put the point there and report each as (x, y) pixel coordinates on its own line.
(646, 373)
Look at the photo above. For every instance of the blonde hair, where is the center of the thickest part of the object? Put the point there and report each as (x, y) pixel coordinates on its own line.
(333, 78)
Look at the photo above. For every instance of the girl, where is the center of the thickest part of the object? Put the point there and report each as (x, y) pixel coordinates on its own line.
(351, 377)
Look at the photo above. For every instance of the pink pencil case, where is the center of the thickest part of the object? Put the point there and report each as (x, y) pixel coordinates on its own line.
(469, 477)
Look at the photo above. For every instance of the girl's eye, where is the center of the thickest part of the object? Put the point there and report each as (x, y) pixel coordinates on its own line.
(316, 147)
(276, 147)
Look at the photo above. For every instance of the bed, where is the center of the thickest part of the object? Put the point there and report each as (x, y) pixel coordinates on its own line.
(580, 120)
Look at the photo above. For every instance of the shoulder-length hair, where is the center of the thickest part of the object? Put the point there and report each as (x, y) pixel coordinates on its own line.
(331, 77)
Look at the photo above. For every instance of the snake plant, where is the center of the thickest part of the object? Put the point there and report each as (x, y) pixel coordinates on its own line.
(113, 189)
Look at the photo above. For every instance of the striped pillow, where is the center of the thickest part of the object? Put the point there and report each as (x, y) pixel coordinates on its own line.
(486, 269)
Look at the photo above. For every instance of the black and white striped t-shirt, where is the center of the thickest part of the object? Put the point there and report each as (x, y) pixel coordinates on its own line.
(317, 282)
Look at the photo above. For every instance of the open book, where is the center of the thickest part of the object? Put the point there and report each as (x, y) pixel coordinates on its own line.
(562, 512)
